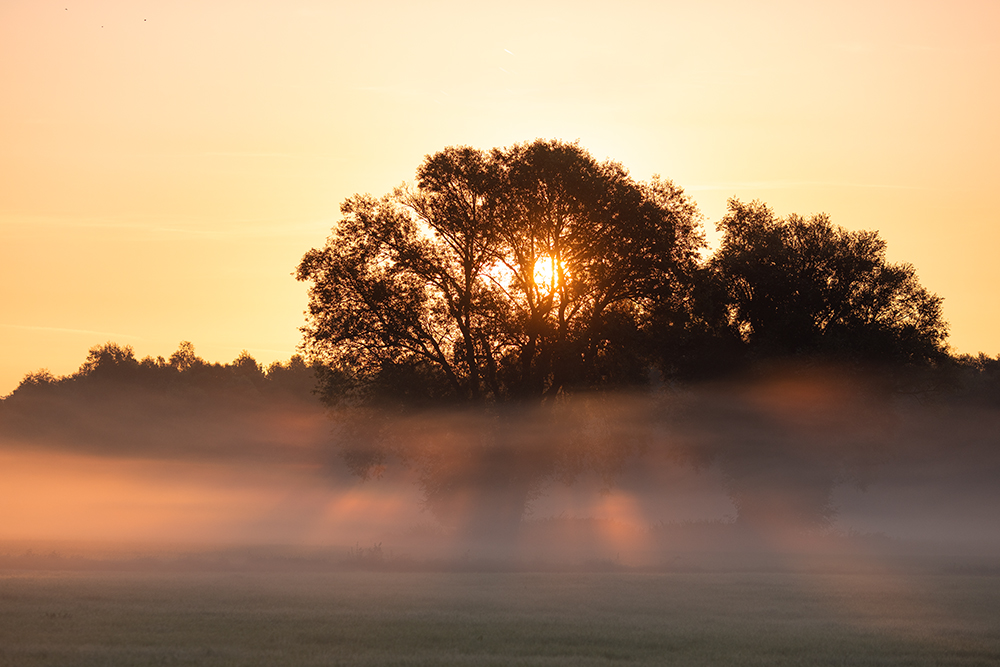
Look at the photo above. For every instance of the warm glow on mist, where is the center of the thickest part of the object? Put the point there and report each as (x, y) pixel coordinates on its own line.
(61, 496)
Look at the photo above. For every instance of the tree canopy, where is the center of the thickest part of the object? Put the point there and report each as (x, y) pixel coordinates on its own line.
(516, 273)
(793, 287)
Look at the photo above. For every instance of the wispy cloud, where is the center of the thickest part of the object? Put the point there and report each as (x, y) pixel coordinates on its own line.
(244, 154)
(237, 227)
(287, 353)
(786, 184)
(89, 332)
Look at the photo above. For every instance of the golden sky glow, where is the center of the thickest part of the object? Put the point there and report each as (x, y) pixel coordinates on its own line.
(163, 166)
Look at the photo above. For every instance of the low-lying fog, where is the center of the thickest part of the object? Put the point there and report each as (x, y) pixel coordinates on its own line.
(786, 464)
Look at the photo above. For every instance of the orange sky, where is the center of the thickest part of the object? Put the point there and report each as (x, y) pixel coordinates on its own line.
(163, 166)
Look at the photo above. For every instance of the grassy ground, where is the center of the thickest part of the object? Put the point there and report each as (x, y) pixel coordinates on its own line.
(391, 618)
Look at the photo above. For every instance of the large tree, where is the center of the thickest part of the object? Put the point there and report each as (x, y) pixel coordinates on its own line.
(512, 274)
(497, 283)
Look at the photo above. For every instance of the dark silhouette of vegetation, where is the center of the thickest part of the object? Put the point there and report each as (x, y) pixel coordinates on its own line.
(797, 287)
(433, 296)
(527, 314)
(970, 380)
(114, 367)
(798, 303)
(506, 275)
(116, 403)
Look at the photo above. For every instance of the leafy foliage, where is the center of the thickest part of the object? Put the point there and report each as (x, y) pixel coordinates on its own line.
(805, 287)
(438, 292)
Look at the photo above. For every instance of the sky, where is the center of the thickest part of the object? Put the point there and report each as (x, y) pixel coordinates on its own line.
(164, 166)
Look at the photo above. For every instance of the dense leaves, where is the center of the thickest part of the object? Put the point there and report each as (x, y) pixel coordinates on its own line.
(512, 274)
(797, 287)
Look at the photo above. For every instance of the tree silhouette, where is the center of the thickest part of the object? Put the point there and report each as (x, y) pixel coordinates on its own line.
(512, 274)
(807, 301)
(805, 287)
(185, 358)
(502, 278)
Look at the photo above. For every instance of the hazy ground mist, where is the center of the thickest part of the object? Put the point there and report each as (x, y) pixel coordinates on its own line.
(793, 464)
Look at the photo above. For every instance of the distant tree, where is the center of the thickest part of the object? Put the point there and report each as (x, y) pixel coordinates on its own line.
(113, 368)
(184, 358)
(246, 368)
(972, 380)
(292, 378)
(805, 287)
(109, 361)
(37, 382)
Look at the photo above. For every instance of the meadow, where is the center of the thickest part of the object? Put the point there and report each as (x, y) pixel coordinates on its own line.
(80, 618)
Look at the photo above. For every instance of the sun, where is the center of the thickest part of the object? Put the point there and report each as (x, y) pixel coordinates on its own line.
(547, 273)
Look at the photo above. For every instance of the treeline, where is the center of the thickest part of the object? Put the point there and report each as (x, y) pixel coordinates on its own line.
(116, 404)
(113, 368)
(971, 379)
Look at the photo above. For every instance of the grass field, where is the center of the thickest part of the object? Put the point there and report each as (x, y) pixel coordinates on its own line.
(394, 618)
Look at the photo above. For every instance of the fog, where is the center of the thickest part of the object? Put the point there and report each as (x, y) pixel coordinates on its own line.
(794, 463)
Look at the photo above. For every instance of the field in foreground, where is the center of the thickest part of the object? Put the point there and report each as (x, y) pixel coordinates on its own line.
(394, 618)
